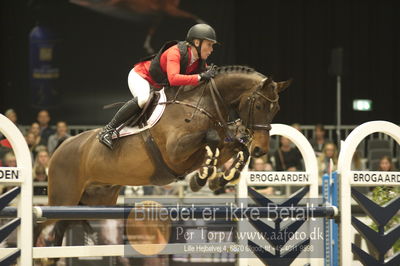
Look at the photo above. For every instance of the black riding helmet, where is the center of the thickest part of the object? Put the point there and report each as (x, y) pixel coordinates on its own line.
(201, 32)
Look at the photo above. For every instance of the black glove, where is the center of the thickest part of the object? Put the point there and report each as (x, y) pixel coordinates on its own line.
(207, 75)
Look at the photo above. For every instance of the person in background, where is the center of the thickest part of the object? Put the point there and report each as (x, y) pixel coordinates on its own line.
(5, 143)
(42, 160)
(12, 115)
(56, 139)
(30, 139)
(3, 151)
(35, 130)
(9, 161)
(356, 163)
(43, 118)
(329, 151)
(40, 175)
(286, 157)
(259, 164)
(386, 164)
(319, 139)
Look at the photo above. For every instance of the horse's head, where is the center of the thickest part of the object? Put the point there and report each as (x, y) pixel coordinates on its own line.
(257, 108)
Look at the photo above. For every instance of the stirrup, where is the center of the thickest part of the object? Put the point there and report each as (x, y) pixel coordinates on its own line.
(105, 136)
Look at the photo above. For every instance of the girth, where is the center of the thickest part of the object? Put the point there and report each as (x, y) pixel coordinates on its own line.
(162, 171)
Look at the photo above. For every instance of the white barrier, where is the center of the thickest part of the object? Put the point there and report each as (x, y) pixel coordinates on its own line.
(308, 177)
(348, 148)
(21, 175)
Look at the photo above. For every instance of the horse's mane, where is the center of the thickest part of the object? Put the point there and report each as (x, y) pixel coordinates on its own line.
(236, 69)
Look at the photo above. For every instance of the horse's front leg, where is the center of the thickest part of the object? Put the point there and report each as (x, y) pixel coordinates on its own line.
(209, 167)
(230, 174)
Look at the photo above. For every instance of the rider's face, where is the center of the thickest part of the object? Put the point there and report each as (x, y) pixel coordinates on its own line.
(206, 48)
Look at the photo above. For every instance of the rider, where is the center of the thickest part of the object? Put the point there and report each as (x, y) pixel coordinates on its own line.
(176, 64)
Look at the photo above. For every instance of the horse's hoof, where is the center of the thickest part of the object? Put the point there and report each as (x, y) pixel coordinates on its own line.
(194, 185)
(213, 184)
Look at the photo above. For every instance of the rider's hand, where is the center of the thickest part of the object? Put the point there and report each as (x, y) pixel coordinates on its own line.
(207, 75)
(214, 66)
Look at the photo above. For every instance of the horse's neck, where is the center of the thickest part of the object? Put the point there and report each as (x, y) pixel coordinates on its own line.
(233, 86)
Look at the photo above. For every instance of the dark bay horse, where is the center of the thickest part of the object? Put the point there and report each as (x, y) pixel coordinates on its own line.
(191, 135)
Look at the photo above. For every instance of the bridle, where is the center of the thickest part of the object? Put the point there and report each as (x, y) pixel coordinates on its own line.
(249, 123)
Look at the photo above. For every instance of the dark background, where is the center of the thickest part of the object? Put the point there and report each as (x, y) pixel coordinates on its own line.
(288, 39)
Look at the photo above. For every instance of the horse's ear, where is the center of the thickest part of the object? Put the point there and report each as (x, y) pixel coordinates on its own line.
(281, 86)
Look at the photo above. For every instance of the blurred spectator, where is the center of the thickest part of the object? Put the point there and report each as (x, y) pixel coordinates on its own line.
(42, 160)
(12, 115)
(31, 141)
(319, 139)
(56, 139)
(46, 131)
(3, 151)
(10, 160)
(385, 164)
(5, 143)
(356, 163)
(40, 175)
(259, 164)
(36, 142)
(329, 152)
(35, 130)
(287, 158)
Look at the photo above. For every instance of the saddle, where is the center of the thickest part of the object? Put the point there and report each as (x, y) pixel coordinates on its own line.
(147, 118)
(141, 120)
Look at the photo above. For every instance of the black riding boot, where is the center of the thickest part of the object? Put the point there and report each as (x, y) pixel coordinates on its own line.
(128, 110)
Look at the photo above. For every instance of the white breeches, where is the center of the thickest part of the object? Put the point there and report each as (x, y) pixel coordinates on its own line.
(139, 87)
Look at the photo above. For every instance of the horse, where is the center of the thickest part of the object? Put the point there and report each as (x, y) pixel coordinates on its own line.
(192, 135)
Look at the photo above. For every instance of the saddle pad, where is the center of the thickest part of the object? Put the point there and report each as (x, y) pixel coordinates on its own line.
(154, 118)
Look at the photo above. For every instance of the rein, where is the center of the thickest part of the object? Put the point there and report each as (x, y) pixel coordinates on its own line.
(220, 119)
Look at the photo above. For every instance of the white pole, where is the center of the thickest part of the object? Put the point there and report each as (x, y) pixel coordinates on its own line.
(338, 108)
(24, 205)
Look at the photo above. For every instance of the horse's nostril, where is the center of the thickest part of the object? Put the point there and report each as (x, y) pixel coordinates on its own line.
(258, 152)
